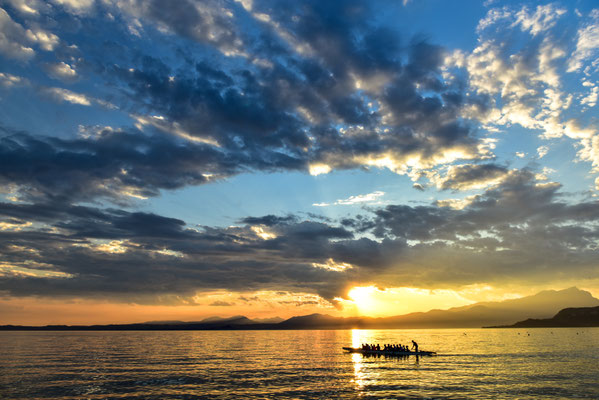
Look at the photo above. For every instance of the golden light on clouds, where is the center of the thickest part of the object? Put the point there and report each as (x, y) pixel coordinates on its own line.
(114, 247)
(31, 269)
(332, 265)
(262, 233)
(318, 169)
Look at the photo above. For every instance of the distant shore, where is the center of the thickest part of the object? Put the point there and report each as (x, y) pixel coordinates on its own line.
(579, 317)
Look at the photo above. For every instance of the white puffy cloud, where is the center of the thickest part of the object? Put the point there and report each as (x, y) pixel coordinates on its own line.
(16, 42)
(590, 99)
(469, 176)
(542, 19)
(28, 7)
(62, 71)
(13, 38)
(45, 40)
(493, 16)
(525, 83)
(457, 204)
(9, 80)
(587, 44)
(76, 6)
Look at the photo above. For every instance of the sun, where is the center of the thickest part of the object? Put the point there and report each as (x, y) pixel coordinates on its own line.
(362, 296)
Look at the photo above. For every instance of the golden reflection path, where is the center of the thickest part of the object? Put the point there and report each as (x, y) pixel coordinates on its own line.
(358, 337)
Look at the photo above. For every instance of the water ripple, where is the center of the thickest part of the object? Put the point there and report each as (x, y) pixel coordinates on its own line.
(485, 364)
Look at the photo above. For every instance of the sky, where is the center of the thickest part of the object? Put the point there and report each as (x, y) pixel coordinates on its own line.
(180, 159)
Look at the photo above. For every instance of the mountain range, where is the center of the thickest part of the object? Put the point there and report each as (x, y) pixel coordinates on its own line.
(542, 305)
(568, 317)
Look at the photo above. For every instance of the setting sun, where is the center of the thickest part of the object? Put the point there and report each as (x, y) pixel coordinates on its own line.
(372, 301)
(363, 299)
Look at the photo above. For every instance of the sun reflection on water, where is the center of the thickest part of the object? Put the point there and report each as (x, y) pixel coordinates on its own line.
(357, 359)
(483, 364)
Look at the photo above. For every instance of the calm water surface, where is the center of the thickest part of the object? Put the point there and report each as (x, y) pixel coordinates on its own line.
(472, 364)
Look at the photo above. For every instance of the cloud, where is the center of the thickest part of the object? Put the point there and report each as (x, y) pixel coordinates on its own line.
(206, 22)
(358, 199)
(9, 80)
(586, 43)
(524, 83)
(27, 7)
(60, 94)
(373, 109)
(269, 220)
(111, 164)
(13, 38)
(76, 6)
(220, 303)
(525, 86)
(62, 71)
(517, 230)
(228, 88)
(457, 204)
(96, 244)
(591, 99)
(543, 18)
(347, 105)
(470, 176)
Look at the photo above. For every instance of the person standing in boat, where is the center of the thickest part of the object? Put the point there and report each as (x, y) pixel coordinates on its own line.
(415, 346)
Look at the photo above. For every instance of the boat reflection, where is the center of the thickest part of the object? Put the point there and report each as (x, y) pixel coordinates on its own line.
(390, 356)
(365, 364)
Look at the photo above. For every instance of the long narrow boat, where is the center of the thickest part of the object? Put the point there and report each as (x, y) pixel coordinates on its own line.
(389, 353)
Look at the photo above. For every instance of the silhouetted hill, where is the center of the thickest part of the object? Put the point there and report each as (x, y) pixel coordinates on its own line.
(321, 321)
(568, 317)
(541, 305)
(273, 320)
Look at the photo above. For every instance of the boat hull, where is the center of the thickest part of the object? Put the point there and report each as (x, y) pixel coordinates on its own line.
(389, 353)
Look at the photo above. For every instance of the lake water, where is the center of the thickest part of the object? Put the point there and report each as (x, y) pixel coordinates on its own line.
(472, 364)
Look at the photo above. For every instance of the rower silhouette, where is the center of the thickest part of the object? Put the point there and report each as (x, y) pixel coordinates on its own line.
(415, 346)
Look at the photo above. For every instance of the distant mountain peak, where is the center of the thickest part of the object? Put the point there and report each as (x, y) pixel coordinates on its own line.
(223, 319)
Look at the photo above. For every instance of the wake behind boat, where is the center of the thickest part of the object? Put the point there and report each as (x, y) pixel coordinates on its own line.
(398, 353)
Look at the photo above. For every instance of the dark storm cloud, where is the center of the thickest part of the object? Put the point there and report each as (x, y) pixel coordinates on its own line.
(267, 106)
(117, 164)
(141, 256)
(471, 175)
(311, 82)
(205, 21)
(519, 229)
(269, 220)
(296, 104)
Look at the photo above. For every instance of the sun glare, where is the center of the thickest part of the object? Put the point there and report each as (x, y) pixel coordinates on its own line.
(362, 298)
(374, 302)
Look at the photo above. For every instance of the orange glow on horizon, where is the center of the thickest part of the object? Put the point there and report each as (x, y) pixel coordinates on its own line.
(361, 301)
